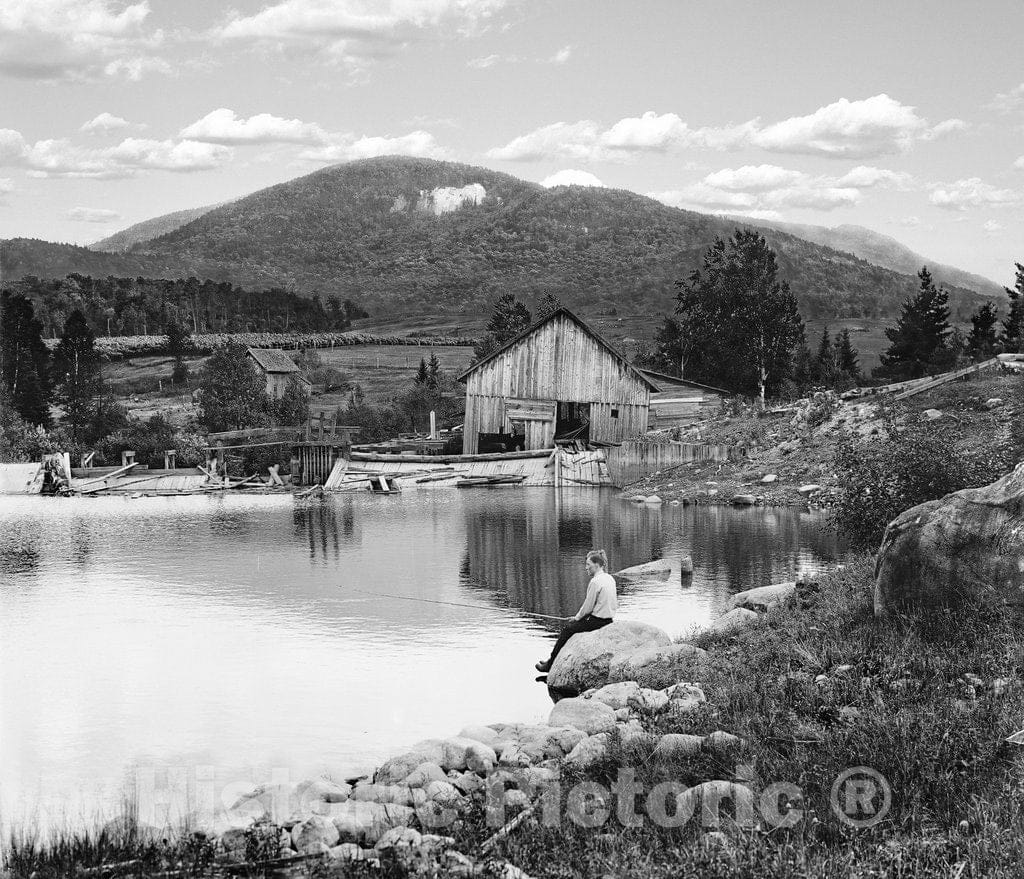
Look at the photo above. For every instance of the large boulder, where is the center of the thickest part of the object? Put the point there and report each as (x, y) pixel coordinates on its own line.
(763, 598)
(587, 715)
(657, 666)
(585, 660)
(313, 834)
(964, 545)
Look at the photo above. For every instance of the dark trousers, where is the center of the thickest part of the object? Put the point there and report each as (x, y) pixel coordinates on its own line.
(588, 624)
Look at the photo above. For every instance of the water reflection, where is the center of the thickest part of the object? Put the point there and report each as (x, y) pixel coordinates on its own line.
(532, 557)
(261, 631)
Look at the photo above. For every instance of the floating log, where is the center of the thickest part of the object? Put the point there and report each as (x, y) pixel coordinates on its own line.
(656, 570)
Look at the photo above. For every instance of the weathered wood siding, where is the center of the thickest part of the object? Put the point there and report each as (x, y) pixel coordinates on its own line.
(633, 461)
(558, 361)
(675, 407)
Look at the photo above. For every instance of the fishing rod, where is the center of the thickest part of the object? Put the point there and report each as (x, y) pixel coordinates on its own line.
(528, 613)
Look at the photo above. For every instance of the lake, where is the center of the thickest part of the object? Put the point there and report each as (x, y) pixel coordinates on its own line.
(198, 643)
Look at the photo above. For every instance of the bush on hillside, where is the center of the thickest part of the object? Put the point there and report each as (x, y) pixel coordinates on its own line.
(911, 463)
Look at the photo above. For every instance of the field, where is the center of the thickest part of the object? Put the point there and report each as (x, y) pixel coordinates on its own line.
(382, 371)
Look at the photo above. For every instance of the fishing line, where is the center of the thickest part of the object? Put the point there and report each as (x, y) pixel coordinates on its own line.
(456, 604)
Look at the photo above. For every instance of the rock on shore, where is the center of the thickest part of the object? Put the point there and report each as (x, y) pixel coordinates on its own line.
(966, 544)
(585, 661)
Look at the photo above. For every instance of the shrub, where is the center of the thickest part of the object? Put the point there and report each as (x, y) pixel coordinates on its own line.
(912, 463)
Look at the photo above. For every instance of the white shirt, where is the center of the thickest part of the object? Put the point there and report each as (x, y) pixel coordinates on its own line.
(601, 600)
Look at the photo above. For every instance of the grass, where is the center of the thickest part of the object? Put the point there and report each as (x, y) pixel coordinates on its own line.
(936, 738)
(930, 717)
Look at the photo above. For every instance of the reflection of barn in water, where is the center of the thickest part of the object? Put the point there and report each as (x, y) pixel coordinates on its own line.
(532, 556)
(324, 526)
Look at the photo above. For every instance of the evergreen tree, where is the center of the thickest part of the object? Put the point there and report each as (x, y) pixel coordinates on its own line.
(232, 395)
(509, 319)
(433, 372)
(739, 325)
(24, 360)
(919, 339)
(76, 368)
(549, 303)
(178, 342)
(847, 358)
(422, 375)
(981, 342)
(825, 360)
(1012, 338)
(804, 370)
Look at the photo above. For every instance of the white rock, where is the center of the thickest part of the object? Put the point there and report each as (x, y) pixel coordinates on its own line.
(931, 414)
(769, 477)
(424, 774)
(763, 597)
(483, 734)
(589, 751)
(587, 715)
(652, 499)
(314, 832)
(703, 802)
(674, 746)
(401, 794)
(615, 695)
(734, 619)
(659, 568)
(365, 823)
(722, 744)
(647, 701)
(810, 488)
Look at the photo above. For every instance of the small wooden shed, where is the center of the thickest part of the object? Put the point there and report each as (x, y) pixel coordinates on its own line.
(277, 368)
(678, 402)
(558, 379)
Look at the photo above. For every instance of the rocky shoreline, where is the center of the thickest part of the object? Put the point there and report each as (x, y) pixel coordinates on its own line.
(610, 688)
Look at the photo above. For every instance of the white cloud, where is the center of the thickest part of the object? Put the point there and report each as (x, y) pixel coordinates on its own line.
(1019, 163)
(562, 55)
(991, 227)
(6, 186)
(866, 176)
(571, 177)
(844, 129)
(971, 192)
(92, 215)
(225, 127)
(851, 129)
(1007, 102)
(347, 147)
(61, 158)
(910, 221)
(753, 178)
(353, 32)
(77, 39)
(106, 122)
(764, 190)
(483, 62)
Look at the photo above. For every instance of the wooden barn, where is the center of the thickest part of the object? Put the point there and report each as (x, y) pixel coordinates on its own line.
(679, 402)
(556, 380)
(277, 368)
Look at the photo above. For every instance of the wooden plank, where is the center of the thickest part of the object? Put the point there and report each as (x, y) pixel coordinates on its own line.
(937, 381)
(110, 475)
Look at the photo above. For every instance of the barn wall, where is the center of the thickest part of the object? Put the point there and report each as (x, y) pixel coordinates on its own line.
(558, 361)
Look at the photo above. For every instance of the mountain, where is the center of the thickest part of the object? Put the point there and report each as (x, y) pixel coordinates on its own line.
(886, 252)
(147, 230)
(403, 235)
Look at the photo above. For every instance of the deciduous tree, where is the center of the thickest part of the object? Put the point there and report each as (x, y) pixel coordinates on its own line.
(232, 395)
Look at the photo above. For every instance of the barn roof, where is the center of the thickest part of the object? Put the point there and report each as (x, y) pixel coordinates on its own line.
(273, 360)
(667, 382)
(590, 331)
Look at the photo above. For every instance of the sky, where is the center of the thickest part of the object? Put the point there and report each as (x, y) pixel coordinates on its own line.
(906, 117)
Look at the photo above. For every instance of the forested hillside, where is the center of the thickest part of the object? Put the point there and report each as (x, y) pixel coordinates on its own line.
(401, 234)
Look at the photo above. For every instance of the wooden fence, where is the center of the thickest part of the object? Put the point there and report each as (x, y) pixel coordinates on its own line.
(632, 461)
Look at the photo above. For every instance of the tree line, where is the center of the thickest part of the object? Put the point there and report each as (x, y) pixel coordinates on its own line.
(147, 306)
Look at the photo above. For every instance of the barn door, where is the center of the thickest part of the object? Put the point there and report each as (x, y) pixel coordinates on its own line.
(534, 418)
